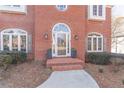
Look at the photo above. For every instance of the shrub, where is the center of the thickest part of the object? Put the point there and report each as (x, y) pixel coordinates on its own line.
(22, 56)
(101, 58)
(5, 60)
(117, 59)
(16, 56)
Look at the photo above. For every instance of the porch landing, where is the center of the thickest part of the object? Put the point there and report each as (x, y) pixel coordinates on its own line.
(62, 64)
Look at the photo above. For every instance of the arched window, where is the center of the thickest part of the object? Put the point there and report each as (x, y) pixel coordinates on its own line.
(95, 42)
(61, 27)
(62, 7)
(14, 40)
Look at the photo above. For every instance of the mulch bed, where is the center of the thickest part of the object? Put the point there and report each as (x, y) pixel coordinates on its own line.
(112, 76)
(24, 75)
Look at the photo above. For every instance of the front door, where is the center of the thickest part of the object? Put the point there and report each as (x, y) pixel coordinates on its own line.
(61, 44)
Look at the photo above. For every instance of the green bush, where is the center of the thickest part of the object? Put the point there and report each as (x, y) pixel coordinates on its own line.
(101, 58)
(14, 57)
(5, 60)
(22, 56)
(17, 57)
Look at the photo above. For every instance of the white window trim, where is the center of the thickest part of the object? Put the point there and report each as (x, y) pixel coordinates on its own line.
(10, 39)
(92, 17)
(53, 41)
(101, 36)
(62, 10)
(10, 9)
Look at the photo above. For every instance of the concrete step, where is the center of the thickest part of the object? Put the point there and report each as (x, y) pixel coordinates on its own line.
(67, 67)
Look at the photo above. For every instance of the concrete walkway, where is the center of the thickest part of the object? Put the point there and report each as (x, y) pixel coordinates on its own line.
(70, 79)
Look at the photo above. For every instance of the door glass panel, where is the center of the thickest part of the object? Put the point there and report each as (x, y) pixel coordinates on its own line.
(61, 43)
(68, 43)
(23, 43)
(6, 42)
(53, 43)
(15, 43)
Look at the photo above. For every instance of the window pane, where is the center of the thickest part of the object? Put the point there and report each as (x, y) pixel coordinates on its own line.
(14, 42)
(61, 27)
(62, 7)
(23, 43)
(89, 44)
(95, 10)
(99, 43)
(61, 43)
(6, 42)
(100, 10)
(94, 44)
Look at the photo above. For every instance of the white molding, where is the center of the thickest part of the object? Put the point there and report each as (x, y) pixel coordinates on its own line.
(10, 38)
(54, 41)
(101, 36)
(10, 42)
(92, 17)
(10, 9)
(19, 45)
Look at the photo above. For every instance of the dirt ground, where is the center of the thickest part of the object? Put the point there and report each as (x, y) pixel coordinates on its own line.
(111, 77)
(24, 75)
(32, 74)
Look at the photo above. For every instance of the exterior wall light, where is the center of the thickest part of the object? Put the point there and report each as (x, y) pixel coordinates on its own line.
(46, 36)
(76, 37)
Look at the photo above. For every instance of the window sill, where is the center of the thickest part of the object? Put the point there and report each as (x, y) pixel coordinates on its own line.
(95, 51)
(96, 19)
(20, 10)
(13, 12)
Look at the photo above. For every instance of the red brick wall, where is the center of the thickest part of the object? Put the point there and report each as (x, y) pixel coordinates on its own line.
(103, 27)
(21, 21)
(41, 19)
(76, 18)
(47, 16)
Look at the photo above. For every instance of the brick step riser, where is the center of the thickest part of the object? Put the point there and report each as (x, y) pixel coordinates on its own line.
(62, 64)
(61, 68)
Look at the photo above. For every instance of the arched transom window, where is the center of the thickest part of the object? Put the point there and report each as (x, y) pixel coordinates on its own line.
(95, 42)
(61, 27)
(14, 40)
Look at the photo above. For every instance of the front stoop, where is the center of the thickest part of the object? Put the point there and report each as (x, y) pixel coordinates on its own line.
(62, 64)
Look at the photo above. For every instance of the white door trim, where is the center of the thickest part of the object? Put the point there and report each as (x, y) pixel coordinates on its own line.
(54, 42)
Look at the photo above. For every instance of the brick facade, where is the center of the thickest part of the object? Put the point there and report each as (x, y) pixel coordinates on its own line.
(41, 19)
